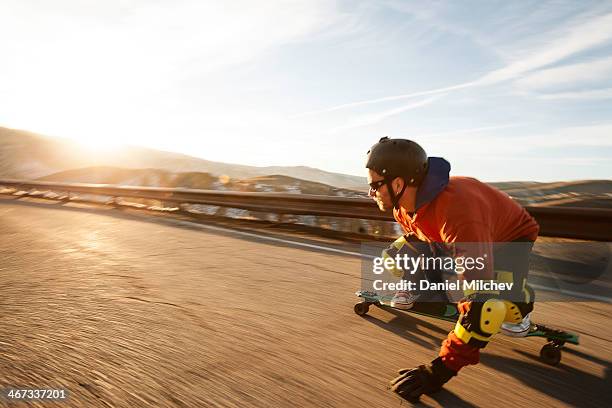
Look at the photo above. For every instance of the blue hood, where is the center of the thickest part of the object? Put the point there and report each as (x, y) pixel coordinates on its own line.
(435, 181)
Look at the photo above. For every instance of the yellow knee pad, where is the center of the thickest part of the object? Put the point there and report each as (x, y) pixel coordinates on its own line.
(481, 322)
(492, 316)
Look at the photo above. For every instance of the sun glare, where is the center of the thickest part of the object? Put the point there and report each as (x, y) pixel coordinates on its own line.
(98, 145)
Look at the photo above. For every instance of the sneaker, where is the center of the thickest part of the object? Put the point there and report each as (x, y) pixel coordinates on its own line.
(403, 299)
(517, 329)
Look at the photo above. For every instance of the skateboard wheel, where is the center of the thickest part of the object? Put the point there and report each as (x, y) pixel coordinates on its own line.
(551, 354)
(361, 308)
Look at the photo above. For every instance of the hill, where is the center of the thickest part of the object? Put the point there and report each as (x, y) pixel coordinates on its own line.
(29, 155)
(196, 180)
(134, 177)
(582, 193)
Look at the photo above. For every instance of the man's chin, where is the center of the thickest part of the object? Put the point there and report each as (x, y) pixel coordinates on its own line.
(381, 206)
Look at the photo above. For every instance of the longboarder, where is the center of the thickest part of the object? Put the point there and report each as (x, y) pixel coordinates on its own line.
(469, 219)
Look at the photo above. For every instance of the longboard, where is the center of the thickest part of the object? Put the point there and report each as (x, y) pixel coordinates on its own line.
(550, 353)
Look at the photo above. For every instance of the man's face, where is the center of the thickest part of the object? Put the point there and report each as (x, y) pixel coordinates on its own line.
(380, 194)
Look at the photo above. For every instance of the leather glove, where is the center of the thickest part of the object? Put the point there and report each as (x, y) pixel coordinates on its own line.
(425, 379)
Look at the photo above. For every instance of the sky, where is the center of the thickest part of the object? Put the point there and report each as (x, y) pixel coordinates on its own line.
(502, 90)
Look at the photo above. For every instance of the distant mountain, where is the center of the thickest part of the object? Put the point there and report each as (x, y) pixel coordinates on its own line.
(279, 183)
(28, 155)
(196, 180)
(521, 188)
(135, 177)
(582, 193)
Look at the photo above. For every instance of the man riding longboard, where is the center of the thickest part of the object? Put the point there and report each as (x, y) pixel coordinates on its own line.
(469, 219)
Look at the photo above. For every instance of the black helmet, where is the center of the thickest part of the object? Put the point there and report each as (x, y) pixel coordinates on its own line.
(403, 158)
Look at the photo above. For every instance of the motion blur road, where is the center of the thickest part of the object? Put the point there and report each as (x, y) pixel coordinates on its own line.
(128, 310)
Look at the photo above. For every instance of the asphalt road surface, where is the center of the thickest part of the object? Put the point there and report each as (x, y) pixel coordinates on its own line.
(125, 310)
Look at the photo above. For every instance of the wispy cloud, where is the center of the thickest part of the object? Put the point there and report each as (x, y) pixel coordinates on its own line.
(576, 37)
(580, 35)
(388, 99)
(574, 74)
(374, 118)
(435, 17)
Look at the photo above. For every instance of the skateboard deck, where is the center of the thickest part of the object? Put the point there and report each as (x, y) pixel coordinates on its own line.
(550, 353)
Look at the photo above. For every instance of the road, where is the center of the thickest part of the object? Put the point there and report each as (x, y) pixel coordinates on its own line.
(126, 310)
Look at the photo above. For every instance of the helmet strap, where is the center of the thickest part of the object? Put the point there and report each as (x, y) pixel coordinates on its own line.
(395, 198)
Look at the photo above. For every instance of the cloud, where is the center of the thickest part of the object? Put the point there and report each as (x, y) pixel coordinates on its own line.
(437, 16)
(387, 99)
(581, 34)
(374, 118)
(574, 74)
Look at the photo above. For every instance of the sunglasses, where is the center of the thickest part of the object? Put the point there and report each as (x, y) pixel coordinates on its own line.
(375, 185)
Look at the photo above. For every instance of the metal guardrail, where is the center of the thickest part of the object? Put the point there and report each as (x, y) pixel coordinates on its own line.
(564, 222)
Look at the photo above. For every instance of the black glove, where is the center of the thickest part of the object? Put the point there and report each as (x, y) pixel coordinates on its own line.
(424, 379)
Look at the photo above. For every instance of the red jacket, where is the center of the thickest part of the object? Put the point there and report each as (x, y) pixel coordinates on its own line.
(469, 211)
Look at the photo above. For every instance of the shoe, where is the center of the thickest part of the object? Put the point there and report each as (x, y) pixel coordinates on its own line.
(517, 329)
(403, 299)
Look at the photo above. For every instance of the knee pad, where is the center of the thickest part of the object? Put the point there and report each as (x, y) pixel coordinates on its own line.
(492, 315)
(479, 321)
